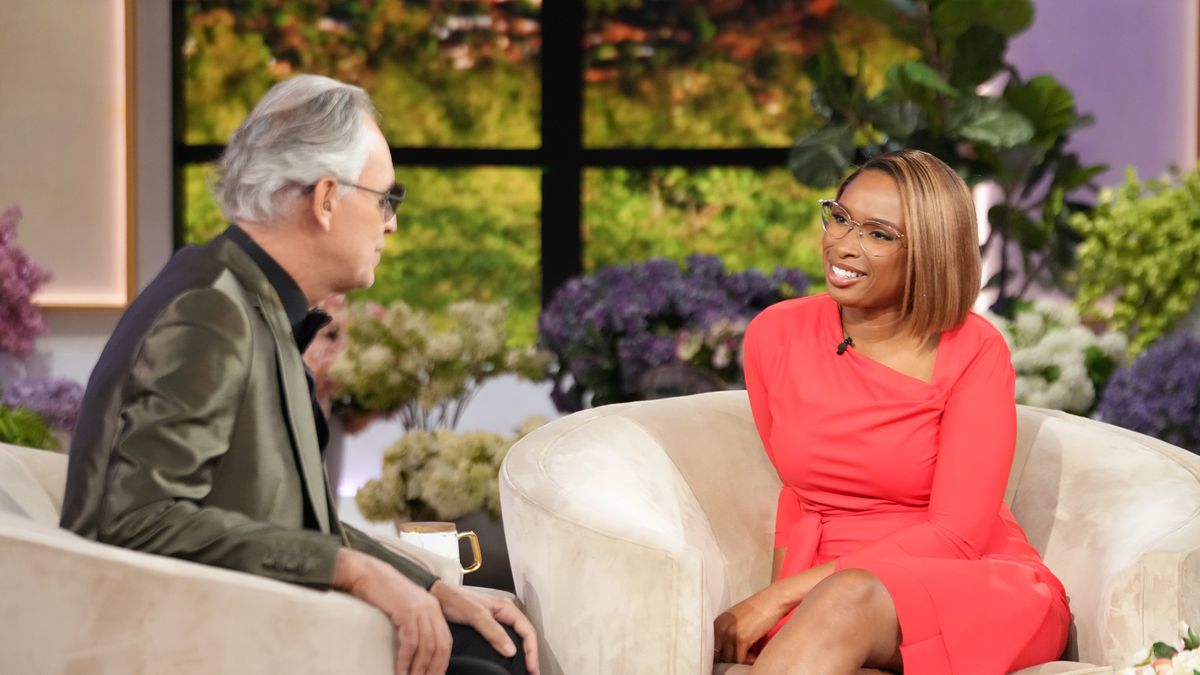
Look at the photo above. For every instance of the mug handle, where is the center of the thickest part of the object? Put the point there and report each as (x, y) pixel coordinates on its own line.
(476, 554)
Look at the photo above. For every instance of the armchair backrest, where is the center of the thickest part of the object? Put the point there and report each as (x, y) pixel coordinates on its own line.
(32, 483)
(1116, 516)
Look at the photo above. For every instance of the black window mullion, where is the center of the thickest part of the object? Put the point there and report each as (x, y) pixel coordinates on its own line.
(562, 144)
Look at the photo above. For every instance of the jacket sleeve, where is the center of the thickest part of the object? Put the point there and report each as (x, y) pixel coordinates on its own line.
(178, 408)
(976, 445)
(360, 541)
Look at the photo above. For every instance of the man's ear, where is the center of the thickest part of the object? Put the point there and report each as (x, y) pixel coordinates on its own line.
(324, 201)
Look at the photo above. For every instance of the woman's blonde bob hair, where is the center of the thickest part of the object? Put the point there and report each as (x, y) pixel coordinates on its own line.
(943, 239)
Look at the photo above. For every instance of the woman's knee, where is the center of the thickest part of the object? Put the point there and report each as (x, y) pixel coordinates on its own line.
(851, 589)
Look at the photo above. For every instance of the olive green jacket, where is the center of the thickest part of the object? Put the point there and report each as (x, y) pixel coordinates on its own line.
(196, 436)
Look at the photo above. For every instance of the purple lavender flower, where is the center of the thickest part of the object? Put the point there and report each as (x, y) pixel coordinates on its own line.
(55, 400)
(20, 318)
(608, 328)
(1159, 393)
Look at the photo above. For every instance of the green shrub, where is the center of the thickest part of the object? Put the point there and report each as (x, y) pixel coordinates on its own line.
(1141, 247)
(24, 427)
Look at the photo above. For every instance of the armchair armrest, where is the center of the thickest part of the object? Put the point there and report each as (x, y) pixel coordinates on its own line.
(79, 606)
(632, 526)
(1144, 602)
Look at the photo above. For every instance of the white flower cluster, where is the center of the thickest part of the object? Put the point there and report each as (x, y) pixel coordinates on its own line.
(1182, 658)
(398, 360)
(440, 475)
(1050, 353)
(719, 347)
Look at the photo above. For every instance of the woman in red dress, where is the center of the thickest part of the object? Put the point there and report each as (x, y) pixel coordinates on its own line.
(887, 408)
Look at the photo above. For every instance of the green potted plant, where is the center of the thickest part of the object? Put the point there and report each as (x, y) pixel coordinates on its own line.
(1016, 139)
(1141, 251)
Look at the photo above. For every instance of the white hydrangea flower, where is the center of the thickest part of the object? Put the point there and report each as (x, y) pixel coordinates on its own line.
(1049, 349)
(1114, 343)
(375, 360)
(445, 347)
(1029, 326)
(722, 357)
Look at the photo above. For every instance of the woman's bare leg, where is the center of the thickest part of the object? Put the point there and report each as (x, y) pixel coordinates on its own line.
(846, 626)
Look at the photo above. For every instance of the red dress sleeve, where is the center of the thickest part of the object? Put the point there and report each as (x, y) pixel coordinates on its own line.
(976, 444)
(788, 509)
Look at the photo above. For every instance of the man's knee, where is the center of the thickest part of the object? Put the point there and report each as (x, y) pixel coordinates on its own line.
(473, 655)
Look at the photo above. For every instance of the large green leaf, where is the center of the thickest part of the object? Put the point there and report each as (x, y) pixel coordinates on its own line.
(990, 121)
(908, 76)
(952, 18)
(834, 91)
(820, 158)
(1047, 104)
(895, 114)
(1069, 174)
(1031, 234)
(977, 55)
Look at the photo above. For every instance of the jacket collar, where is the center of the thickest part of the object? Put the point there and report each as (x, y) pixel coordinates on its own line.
(304, 322)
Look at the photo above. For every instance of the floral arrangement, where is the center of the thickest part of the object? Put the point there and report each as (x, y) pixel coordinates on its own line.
(55, 400)
(396, 361)
(717, 348)
(440, 475)
(326, 346)
(1182, 658)
(1060, 363)
(607, 329)
(20, 278)
(1159, 393)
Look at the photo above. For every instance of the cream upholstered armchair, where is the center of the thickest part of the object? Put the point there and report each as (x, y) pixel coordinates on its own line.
(631, 527)
(71, 605)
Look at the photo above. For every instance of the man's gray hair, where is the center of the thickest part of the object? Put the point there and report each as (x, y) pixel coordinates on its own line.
(303, 129)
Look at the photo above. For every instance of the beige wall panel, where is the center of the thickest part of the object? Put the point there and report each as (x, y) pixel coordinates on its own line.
(63, 143)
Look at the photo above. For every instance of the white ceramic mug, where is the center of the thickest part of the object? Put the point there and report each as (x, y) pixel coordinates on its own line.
(442, 539)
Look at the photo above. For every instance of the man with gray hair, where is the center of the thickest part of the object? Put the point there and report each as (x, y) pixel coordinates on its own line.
(199, 437)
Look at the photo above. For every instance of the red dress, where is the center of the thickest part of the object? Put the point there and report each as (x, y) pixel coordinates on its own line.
(903, 478)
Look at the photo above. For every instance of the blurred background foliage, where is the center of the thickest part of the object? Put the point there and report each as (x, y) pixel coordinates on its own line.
(466, 73)
(750, 218)
(450, 73)
(713, 73)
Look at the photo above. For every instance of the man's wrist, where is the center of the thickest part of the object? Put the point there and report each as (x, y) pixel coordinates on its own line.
(350, 568)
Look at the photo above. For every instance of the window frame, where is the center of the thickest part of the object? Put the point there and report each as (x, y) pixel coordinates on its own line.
(562, 156)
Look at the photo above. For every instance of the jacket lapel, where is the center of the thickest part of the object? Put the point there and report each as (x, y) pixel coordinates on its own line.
(294, 396)
(298, 410)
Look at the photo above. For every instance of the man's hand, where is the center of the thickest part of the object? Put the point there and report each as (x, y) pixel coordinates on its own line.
(485, 613)
(421, 630)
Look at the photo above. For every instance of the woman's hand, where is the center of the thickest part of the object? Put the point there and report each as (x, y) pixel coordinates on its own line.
(745, 623)
(748, 621)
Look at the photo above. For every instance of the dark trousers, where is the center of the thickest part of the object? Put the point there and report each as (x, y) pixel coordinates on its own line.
(472, 655)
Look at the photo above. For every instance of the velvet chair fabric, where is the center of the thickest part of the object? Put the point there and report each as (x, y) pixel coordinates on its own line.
(71, 605)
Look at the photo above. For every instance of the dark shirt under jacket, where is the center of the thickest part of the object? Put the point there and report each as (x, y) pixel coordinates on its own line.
(305, 322)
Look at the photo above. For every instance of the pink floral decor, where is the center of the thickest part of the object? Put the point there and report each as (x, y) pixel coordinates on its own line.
(323, 352)
(20, 278)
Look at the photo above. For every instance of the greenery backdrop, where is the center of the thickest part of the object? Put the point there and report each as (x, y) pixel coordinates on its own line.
(466, 73)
